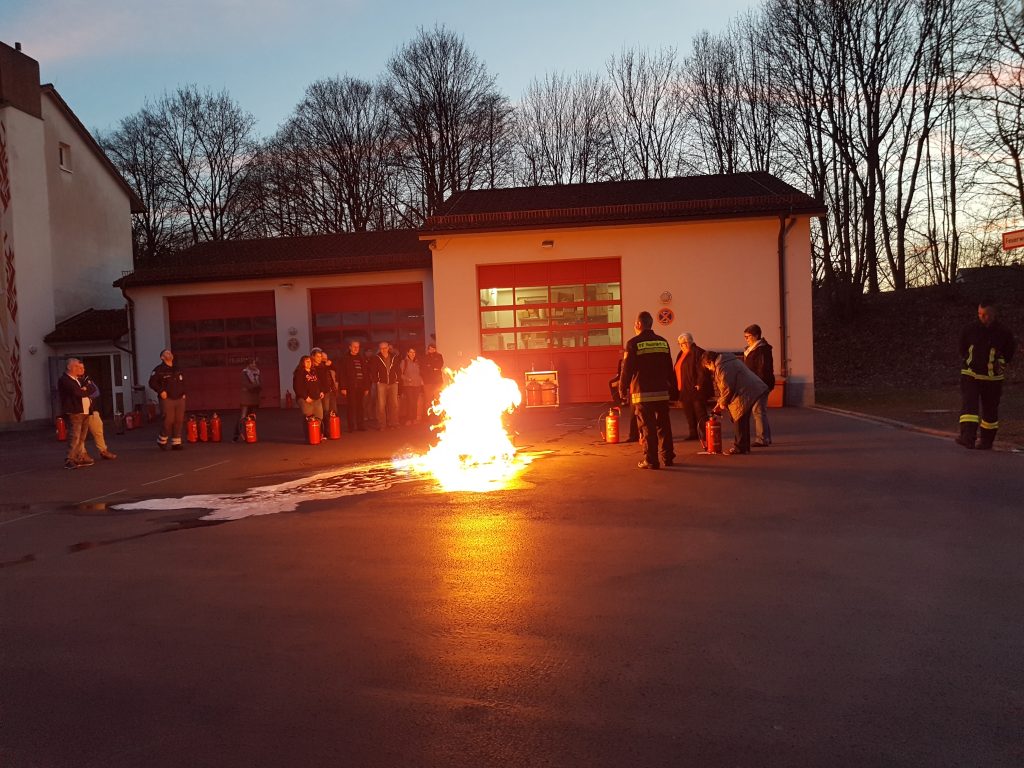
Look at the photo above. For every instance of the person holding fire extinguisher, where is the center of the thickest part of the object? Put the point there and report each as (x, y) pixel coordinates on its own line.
(308, 391)
(252, 386)
(738, 389)
(169, 383)
(649, 381)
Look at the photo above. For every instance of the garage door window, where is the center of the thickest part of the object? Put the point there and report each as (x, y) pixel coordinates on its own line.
(565, 315)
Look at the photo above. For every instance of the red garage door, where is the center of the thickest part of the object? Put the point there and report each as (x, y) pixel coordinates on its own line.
(555, 315)
(214, 335)
(368, 314)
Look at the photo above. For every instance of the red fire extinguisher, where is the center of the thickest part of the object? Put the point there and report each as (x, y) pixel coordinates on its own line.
(611, 425)
(287, 398)
(714, 434)
(250, 429)
(129, 421)
(215, 428)
(193, 430)
(62, 428)
(204, 430)
(334, 426)
(313, 432)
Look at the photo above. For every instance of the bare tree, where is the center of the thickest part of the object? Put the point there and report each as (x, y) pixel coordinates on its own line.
(650, 112)
(326, 169)
(564, 132)
(208, 145)
(713, 83)
(134, 149)
(1000, 121)
(449, 120)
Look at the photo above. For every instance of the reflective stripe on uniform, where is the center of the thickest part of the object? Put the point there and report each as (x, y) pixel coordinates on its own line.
(989, 424)
(969, 418)
(648, 397)
(652, 347)
(982, 377)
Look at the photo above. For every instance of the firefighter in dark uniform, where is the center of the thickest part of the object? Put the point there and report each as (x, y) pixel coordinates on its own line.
(649, 381)
(986, 348)
(169, 383)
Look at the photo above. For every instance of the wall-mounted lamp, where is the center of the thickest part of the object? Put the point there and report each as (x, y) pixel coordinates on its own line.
(547, 244)
(286, 285)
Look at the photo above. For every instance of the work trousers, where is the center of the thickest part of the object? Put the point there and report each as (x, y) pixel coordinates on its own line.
(174, 417)
(655, 431)
(77, 432)
(986, 393)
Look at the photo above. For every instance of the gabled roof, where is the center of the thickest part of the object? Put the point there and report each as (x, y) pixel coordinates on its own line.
(91, 325)
(620, 202)
(133, 199)
(287, 256)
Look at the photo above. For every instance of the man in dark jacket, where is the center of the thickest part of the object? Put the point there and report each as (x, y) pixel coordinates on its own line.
(694, 383)
(649, 381)
(75, 404)
(169, 383)
(986, 348)
(432, 371)
(758, 357)
(355, 382)
(384, 373)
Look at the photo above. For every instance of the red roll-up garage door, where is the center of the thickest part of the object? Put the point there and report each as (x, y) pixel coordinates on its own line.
(368, 314)
(554, 315)
(214, 335)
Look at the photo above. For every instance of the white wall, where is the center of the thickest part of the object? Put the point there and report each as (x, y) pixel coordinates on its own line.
(90, 217)
(292, 304)
(27, 227)
(722, 275)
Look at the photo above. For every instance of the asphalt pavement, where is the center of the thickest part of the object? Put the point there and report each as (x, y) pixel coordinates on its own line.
(850, 596)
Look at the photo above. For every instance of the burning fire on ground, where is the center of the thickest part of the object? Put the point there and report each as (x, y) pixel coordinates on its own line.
(474, 451)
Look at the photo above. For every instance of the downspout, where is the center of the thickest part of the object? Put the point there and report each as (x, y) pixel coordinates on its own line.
(786, 222)
(131, 341)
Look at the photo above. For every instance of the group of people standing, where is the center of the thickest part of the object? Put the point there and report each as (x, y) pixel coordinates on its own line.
(80, 404)
(649, 380)
(397, 389)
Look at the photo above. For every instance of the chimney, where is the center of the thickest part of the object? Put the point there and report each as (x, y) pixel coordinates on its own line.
(17, 46)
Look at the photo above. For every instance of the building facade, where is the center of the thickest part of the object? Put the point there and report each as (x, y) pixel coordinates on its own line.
(65, 236)
(552, 278)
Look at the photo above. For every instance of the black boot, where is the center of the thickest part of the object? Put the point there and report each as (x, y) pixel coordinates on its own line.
(968, 431)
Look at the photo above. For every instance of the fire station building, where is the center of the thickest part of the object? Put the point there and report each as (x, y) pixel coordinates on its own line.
(538, 279)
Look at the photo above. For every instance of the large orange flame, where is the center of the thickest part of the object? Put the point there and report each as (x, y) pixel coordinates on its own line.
(473, 450)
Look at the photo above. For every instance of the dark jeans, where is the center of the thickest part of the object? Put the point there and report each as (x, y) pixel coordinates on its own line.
(653, 419)
(354, 409)
(988, 394)
(741, 439)
(696, 414)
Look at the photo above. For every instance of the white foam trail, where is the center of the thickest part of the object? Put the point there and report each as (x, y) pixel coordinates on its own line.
(285, 497)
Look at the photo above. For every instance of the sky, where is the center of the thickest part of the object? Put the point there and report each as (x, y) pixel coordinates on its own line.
(107, 57)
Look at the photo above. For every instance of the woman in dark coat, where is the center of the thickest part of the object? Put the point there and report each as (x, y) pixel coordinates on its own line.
(758, 357)
(694, 382)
